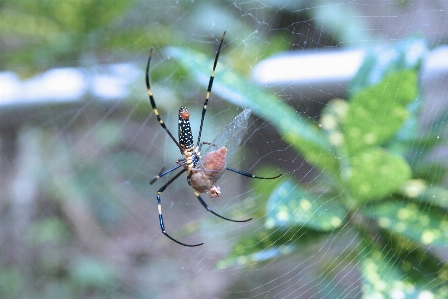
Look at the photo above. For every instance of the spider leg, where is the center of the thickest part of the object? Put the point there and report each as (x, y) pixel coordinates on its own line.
(153, 104)
(209, 90)
(162, 174)
(159, 206)
(251, 175)
(182, 163)
(205, 205)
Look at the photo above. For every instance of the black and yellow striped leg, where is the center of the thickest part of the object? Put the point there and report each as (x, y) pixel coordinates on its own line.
(154, 106)
(159, 206)
(209, 89)
(205, 205)
(249, 175)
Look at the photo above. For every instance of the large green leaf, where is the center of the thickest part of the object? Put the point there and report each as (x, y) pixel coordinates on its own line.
(420, 223)
(375, 173)
(289, 206)
(303, 135)
(266, 244)
(376, 113)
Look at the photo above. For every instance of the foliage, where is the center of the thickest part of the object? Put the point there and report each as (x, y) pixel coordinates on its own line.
(42, 33)
(65, 231)
(376, 182)
(86, 167)
(38, 35)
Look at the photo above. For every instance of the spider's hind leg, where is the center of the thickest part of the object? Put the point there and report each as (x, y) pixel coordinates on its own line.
(205, 205)
(159, 206)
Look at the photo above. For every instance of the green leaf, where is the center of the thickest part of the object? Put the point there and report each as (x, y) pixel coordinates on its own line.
(332, 121)
(419, 190)
(420, 223)
(303, 135)
(433, 172)
(387, 277)
(429, 272)
(266, 244)
(375, 173)
(290, 206)
(376, 113)
(379, 276)
(334, 115)
(255, 249)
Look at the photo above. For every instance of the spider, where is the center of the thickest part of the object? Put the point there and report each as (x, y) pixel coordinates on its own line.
(202, 172)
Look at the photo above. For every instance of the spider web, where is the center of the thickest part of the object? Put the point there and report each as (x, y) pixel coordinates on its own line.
(84, 218)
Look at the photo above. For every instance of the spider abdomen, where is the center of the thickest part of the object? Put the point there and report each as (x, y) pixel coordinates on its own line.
(211, 167)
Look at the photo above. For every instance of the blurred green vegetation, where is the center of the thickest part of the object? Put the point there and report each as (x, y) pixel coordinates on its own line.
(37, 35)
(88, 174)
(84, 174)
(374, 157)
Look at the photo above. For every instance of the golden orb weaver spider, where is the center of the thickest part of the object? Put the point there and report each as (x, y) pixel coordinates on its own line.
(202, 173)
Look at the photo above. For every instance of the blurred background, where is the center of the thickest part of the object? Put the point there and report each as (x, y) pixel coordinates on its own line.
(79, 140)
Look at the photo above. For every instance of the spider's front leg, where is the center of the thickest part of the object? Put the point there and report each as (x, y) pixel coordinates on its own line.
(153, 103)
